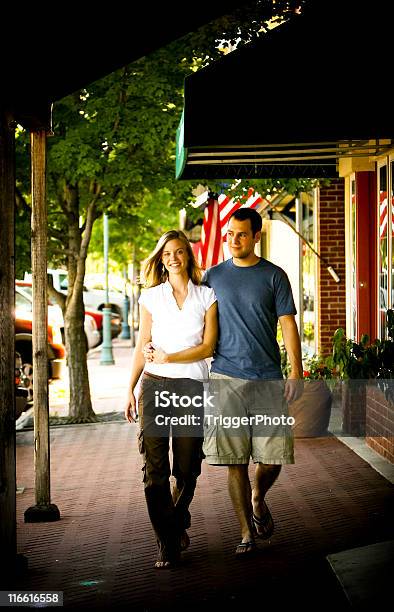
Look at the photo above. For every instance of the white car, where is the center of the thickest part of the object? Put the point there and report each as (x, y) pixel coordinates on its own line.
(93, 298)
(93, 336)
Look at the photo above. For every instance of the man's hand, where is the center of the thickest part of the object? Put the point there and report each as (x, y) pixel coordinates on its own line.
(148, 351)
(294, 388)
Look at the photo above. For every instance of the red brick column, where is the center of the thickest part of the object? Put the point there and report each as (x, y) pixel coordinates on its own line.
(332, 295)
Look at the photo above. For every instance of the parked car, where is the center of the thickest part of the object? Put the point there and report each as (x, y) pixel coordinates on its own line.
(93, 298)
(116, 322)
(24, 342)
(92, 333)
(55, 314)
(22, 384)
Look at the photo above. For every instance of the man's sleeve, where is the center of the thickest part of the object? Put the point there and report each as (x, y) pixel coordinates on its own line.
(284, 301)
(205, 278)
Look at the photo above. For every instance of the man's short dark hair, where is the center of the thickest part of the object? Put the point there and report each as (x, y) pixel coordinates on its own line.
(249, 213)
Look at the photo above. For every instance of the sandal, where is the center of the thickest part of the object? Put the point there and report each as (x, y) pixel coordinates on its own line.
(167, 558)
(245, 549)
(161, 564)
(263, 526)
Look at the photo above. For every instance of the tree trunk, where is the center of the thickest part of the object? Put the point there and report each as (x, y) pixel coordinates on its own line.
(80, 408)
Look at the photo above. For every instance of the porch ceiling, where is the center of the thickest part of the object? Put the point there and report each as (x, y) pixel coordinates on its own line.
(47, 56)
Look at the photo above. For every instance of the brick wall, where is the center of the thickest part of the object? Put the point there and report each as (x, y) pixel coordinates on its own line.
(332, 295)
(380, 423)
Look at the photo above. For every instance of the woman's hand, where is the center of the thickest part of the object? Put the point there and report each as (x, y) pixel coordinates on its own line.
(153, 354)
(159, 356)
(130, 409)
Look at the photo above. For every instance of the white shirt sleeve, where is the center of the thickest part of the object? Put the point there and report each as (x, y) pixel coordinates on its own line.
(209, 297)
(145, 299)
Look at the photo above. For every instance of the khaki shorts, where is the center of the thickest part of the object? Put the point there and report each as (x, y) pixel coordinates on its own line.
(248, 418)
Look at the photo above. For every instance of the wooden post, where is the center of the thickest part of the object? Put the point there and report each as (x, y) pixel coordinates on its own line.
(43, 510)
(10, 561)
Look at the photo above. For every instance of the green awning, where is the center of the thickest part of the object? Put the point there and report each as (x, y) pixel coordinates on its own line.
(181, 152)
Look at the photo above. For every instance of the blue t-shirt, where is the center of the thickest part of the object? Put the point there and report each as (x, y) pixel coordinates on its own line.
(250, 300)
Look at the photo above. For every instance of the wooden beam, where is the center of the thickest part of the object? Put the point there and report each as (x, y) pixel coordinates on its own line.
(8, 557)
(43, 510)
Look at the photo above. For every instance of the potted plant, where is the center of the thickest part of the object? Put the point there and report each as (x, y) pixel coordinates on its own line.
(312, 410)
(358, 363)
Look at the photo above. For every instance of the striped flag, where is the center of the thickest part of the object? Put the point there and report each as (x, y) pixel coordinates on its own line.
(211, 249)
(383, 216)
(216, 216)
(228, 205)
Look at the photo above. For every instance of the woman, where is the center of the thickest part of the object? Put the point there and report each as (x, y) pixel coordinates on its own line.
(178, 318)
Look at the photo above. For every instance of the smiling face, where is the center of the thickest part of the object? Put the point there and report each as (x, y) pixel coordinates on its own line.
(174, 257)
(240, 239)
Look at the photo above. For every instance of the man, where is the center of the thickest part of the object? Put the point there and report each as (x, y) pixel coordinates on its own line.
(253, 294)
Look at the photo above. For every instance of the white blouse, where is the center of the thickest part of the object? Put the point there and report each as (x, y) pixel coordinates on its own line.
(176, 329)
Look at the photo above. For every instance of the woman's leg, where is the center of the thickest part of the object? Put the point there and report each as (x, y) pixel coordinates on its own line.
(187, 457)
(158, 497)
(187, 450)
(155, 448)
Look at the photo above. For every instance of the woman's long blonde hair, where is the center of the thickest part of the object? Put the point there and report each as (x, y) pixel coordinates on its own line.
(154, 271)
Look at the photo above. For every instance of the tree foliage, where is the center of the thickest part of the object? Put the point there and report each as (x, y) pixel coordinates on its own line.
(132, 238)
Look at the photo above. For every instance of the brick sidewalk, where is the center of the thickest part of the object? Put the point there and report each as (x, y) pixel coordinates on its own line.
(101, 552)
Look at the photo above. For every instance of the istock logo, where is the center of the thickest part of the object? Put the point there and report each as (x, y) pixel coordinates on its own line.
(164, 399)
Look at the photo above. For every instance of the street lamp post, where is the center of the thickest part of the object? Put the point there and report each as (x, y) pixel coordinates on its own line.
(106, 350)
(132, 304)
(125, 334)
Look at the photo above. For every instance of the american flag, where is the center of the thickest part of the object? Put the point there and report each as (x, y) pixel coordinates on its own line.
(383, 216)
(228, 205)
(216, 216)
(211, 248)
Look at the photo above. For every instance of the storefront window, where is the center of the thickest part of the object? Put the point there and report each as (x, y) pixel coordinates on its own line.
(383, 259)
(308, 326)
(391, 231)
(353, 239)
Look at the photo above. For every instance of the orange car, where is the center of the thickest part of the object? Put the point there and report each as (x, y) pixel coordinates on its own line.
(24, 346)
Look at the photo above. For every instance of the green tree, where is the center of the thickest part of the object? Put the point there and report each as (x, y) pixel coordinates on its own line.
(134, 235)
(113, 147)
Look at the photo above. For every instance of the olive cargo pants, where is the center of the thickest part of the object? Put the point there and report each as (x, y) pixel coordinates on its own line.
(169, 511)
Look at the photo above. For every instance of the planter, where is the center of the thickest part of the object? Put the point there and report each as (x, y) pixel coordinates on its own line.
(380, 421)
(312, 410)
(353, 407)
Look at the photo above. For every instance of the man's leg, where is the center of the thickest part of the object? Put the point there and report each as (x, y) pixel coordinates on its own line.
(240, 493)
(265, 476)
(272, 446)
